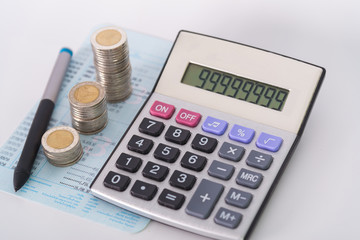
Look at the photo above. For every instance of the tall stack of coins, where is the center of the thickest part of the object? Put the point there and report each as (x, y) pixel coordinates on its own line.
(88, 107)
(62, 146)
(112, 62)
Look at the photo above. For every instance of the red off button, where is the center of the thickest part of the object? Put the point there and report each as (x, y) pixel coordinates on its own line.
(188, 118)
(162, 110)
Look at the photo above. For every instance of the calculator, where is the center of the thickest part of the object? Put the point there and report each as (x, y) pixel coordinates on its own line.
(209, 145)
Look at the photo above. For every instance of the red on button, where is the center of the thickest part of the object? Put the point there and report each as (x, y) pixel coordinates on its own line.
(163, 110)
(188, 118)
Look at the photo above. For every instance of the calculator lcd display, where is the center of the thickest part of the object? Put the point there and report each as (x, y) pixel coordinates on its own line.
(235, 86)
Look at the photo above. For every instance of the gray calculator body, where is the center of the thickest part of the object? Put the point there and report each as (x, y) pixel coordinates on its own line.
(240, 108)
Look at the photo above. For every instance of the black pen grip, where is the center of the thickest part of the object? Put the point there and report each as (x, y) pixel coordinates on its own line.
(33, 140)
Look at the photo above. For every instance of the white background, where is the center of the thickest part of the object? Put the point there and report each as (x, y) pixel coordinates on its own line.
(318, 196)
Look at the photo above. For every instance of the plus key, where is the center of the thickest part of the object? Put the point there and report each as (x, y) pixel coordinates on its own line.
(204, 199)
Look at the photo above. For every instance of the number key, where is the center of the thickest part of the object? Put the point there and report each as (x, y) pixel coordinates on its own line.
(193, 161)
(177, 135)
(182, 180)
(155, 171)
(166, 153)
(204, 143)
(140, 144)
(116, 181)
(128, 163)
(151, 127)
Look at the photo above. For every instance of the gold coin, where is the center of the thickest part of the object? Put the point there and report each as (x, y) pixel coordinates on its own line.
(86, 93)
(60, 139)
(108, 37)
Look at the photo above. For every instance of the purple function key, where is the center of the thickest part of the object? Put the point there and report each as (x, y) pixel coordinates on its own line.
(269, 142)
(241, 134)
(214, 125)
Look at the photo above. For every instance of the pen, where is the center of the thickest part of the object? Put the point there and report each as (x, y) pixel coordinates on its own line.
(41, 119)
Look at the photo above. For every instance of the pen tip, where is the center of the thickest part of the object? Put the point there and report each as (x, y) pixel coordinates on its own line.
(20, 179)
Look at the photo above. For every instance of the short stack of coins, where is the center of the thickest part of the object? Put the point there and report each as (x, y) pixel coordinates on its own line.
(88, 107)
(112, 62)
(62, 146)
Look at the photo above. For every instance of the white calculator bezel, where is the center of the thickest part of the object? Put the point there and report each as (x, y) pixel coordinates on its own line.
(301, 79)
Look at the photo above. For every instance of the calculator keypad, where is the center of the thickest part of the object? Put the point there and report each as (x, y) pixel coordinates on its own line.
(195, 164)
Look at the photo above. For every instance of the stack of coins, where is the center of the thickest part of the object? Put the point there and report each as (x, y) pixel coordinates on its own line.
(112, 62)
(62, 146)
(88, 107)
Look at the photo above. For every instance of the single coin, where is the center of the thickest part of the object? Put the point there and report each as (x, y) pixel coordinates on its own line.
(109, 40)
(60, 139)
(108, 37)
(86, 93)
